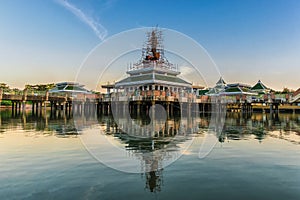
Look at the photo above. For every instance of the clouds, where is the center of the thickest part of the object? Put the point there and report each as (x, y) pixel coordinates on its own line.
(186, 70)
(95, 25)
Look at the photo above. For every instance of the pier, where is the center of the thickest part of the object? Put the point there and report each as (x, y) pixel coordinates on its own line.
(137, 105)
(154, 80)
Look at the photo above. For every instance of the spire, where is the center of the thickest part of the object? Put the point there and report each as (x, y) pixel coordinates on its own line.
(221, 81)
(154, 50)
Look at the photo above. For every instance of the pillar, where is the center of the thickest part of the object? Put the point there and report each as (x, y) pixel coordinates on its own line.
(12, 107)
(138, 108)
(1, 95)
(37, 107)
(24, 99)
(32, 109)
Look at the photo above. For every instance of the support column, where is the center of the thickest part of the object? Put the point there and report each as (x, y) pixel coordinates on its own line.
(36, 107)
(108, 108)
(12, 107)
(24, 99)
(153, 118)
(138, 108)
(1, 95)
(32, 109)
(172, 109)
(189, 109)
(181, 109)
(41, 107)
(168, 109)
(82, 108)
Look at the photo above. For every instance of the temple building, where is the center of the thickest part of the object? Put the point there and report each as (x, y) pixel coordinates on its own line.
(69, 88)
(154, 76)
(260, 88)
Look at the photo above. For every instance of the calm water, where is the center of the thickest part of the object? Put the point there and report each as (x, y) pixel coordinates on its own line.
(257, 157)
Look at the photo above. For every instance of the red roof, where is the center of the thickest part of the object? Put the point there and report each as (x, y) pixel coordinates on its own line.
(296, 92)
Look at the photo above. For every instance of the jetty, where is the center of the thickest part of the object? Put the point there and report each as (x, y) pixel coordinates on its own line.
(154, 80)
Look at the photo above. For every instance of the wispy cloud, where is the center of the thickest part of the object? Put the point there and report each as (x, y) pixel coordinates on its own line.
(186, 70)
(97, 27)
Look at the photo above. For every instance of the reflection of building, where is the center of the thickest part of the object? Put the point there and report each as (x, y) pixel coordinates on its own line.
(153, 152)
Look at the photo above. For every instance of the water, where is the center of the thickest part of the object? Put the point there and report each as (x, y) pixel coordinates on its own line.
(257, 157)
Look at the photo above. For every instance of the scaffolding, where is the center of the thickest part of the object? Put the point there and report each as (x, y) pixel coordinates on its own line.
(153, 53)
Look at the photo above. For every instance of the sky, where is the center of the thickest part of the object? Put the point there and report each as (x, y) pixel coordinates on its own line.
(47, 41)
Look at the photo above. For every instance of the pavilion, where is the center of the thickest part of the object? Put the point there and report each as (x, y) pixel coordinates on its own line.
(69, 88)
(154, 76)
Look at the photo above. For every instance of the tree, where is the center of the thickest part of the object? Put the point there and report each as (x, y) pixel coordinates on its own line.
(5, 87)
(286, 90)
(40, 87)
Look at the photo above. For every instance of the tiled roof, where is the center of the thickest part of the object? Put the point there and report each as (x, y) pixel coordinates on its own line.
(221, 81)
(170, 79)
(233, 89)
(136, 78)
(259, 86)
(203, 92)
(149, 77)
(296, 92)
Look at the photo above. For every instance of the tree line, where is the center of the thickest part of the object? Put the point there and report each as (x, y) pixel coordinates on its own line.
(30, 88)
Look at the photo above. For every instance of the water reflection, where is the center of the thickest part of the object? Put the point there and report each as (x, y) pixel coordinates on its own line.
(43, 123)
(152, 153)
(239, 126)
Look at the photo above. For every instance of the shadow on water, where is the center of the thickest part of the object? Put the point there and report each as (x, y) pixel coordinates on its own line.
(238, 126)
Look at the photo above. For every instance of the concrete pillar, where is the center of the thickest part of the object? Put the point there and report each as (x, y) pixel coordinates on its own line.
(23, 106)
(64, 106)
(51, 106)
(172, 109)
(19, 106)
(45, 105)
(12, 107)
(40, 107)
(108, 108)
(103, 108)
(168, 109)
(181, 109)
(82, 108)
(37, 106)
(32, 109)
(1, 95)
(138, 108)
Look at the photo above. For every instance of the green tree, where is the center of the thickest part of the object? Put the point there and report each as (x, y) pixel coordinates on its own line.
(5, 87)
(40, 87)
(286, 90)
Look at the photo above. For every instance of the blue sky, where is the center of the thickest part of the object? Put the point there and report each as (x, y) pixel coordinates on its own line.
(46, 41)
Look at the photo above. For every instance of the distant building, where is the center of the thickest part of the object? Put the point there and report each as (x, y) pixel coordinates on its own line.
(219, 87)
(296, 97)
(260, 88)
(69, 88)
